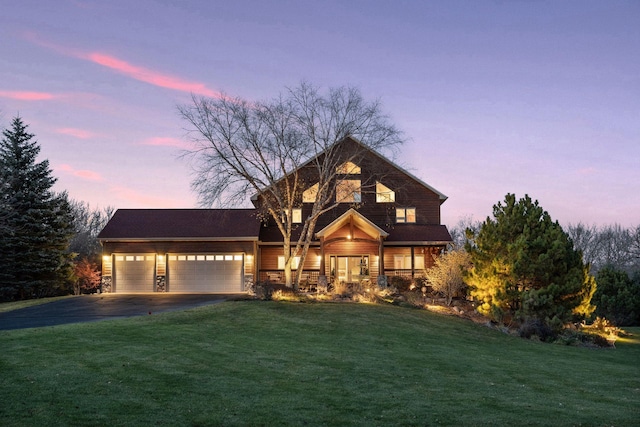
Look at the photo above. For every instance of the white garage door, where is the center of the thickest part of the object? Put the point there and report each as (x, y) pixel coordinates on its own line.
(205, 273)
(134, 273)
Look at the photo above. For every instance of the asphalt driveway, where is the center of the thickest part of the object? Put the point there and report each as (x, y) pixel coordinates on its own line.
(88, 308)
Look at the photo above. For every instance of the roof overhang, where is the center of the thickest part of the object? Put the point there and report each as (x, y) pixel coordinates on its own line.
(179, 239)
(357, 219)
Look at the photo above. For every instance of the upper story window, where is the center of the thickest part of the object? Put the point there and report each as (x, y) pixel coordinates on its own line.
(384, 194)
(405, 215)
(310, 194)
(348, 168)
(348, 191)
(296, 216)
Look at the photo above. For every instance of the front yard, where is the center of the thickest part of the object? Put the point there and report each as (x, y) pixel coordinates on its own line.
(275, 363)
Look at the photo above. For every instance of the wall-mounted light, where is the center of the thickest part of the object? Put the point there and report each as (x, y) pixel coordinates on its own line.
(348, 236)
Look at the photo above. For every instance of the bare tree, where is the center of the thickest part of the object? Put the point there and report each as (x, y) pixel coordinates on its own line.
(275, 150)
(447, 274)
(88, 222)
(584, 239)
(459, 234)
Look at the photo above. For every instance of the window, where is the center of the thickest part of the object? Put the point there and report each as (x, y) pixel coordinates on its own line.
(310, 194)
(348, 168)
(384, 194)
(296, 216)
(403, 262)
(348, 191)
(294, 263)
(405, 215)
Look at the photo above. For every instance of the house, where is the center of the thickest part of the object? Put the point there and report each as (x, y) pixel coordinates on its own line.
(387, 223)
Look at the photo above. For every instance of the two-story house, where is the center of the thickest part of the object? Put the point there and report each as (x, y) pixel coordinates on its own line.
(386, 223)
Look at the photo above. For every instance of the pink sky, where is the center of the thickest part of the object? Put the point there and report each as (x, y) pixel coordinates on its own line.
(493, 97)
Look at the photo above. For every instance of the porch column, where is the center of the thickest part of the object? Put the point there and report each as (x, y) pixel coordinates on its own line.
(382, 279)
(322, 277)
(413, 266)
(322, 266)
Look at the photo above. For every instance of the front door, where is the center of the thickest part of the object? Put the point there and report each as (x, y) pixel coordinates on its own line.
(352, 269)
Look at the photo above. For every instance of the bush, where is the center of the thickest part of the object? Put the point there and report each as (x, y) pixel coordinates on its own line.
(402, 284)
(536, 327)
(267, 290)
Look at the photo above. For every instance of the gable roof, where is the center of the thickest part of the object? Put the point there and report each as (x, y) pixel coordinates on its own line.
(181, 224)
(358, 220)
(441, 195)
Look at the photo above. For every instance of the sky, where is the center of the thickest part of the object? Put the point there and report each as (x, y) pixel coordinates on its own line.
(493, 97)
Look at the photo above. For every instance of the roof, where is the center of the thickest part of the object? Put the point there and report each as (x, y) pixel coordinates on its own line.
(356, 218)
(441, 195)
(182, 224)
(418, 233)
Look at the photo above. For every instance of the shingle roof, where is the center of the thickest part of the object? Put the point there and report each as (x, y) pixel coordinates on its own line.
(428, 233)
(183, 224)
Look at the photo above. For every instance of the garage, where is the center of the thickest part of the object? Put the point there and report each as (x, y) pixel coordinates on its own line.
(134, 273)
(205, 273)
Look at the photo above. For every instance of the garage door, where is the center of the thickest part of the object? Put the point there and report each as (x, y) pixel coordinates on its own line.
(205, 273)
(134, 273)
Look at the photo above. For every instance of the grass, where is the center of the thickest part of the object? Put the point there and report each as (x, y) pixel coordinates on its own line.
(281, 363)
(16, 305)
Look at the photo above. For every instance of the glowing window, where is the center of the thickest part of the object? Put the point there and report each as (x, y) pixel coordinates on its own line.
(182, 257)
(296, 216)
(384, 194)
(405, 215)
(403, 262)
(348, 168)
(310, 194)
(210, 258)
(228, 257)
(348, 191)
(191, 257)
(294, 263)
(237, 257)
(200, 257)
(219, 258)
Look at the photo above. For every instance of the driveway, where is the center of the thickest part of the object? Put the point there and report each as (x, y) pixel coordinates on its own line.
(89, 308)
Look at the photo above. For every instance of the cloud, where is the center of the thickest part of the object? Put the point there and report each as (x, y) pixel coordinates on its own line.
(146, 75)
(81, 173)
(166, 142)
(27, 95)
(77, 133)
(141, 199)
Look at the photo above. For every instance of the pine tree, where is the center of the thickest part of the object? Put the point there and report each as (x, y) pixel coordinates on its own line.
(35, 224)
(526, 269)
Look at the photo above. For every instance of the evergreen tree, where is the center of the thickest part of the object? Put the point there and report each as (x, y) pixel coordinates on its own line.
(36, 223)
(618, 297)
(526, 269)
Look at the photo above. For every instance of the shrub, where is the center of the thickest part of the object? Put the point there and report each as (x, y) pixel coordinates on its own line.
(532, 326)
(402, 284)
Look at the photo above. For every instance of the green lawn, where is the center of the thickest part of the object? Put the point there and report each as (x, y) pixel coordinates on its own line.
(280, 363)
(16, 305)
